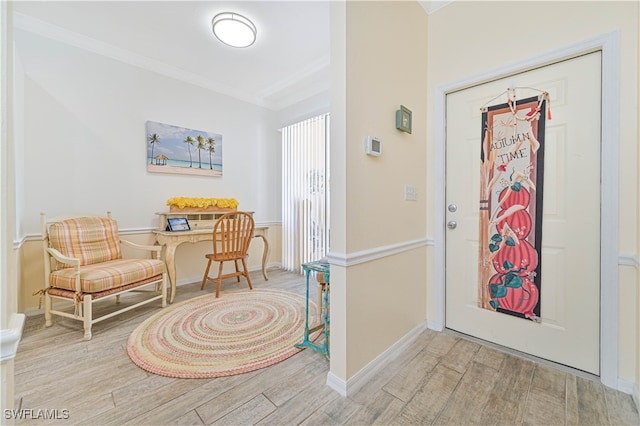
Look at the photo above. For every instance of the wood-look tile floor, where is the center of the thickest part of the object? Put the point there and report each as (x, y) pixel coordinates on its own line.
(440, 379)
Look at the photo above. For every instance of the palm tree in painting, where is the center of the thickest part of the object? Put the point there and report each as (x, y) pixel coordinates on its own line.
(189, 141)
(201, 145)
(153, 140)
(211, 147)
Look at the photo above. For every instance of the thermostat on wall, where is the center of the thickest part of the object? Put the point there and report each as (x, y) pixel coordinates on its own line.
(373, 146)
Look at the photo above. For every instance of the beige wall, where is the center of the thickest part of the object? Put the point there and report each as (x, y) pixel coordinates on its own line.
(93, 103)
(379, 59)
(389, 53)
(636, 392)
(467, 39)
(190, 263)
(8, 257)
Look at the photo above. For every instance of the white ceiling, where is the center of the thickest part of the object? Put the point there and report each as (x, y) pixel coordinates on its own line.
(288, 62)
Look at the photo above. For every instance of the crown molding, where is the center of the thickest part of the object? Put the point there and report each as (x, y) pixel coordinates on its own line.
(62, 35)
(431, 6)
(308, 72)
(299, 95)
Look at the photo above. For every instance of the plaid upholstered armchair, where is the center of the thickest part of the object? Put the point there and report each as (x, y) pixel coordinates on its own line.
(83, 263)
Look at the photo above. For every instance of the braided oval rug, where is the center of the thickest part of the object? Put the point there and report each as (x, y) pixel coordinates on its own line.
(207, 337)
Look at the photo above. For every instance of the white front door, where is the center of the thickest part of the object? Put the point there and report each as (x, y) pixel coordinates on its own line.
(569, 293)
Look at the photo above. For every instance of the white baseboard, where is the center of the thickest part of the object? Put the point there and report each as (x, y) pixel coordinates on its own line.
(270, 265)
(435, 325)
(256, 268)
(351, 386)
(626, 386)
(337, 384)
(29, 312)
(358, 380)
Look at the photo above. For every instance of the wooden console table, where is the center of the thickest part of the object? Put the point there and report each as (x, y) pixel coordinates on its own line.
(201, 230)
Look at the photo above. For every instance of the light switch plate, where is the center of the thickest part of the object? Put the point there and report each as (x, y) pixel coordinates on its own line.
(410, 193)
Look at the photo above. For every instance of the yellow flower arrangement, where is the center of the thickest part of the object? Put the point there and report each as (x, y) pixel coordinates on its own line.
(197, 202)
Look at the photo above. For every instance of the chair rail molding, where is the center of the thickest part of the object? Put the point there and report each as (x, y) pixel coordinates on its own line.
(629, 260)
(375, 253)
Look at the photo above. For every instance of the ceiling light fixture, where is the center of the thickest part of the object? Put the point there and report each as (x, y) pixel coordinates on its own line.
(234, 30)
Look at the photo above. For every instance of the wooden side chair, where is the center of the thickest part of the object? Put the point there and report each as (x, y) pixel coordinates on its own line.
(232, 234)
(83, 263)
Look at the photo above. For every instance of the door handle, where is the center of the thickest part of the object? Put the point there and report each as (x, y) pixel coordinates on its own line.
(452, 224)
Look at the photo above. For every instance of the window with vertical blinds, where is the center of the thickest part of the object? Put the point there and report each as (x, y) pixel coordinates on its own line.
(305, 192)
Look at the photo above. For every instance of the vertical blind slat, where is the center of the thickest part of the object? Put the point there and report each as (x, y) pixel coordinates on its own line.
(305, 170)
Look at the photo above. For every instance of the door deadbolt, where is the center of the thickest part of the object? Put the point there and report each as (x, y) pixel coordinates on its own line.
(452, 208)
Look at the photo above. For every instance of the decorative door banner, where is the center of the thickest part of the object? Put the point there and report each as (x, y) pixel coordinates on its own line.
(511, 181)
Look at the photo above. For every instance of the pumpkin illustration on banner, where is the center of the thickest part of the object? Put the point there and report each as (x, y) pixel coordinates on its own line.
(515, 259)
(520, 258)
(513, 293)
(515, 194)
(519, 222)
(511, 182)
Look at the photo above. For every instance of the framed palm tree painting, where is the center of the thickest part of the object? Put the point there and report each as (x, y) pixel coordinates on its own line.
(174, 149)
